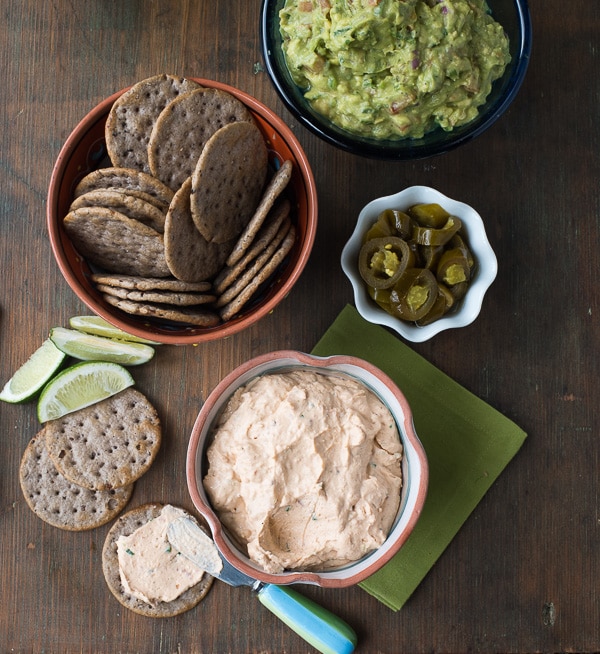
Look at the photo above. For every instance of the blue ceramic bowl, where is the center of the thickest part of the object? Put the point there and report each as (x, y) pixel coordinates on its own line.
(513, 15)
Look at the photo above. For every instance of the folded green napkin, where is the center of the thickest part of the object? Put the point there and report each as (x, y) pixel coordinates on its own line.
(468, 444)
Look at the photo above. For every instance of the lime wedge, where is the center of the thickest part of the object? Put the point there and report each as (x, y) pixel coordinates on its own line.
(100, 327)
(31, 377)
(81, 385)
(88, 347)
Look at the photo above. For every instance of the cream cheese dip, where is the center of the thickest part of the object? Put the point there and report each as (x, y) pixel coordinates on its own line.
(305, 470)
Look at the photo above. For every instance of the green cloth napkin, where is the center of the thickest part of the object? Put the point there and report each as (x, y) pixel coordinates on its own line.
(468, 444)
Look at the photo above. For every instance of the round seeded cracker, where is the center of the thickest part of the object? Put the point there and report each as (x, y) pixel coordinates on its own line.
(59, 502)
(193, 316)
(117, 243)
(184, 127)
(131, 206)
(189, 255)
(250, 274)
(107, 445)
(150, 283)
(237, 304)
(128, 179)
(126, 525)
(228, 181)
(259, 244)
(132, 117)
(176, 298)
(274, 189)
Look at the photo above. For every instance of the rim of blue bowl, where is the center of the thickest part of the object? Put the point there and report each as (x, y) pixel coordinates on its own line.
(292, 97)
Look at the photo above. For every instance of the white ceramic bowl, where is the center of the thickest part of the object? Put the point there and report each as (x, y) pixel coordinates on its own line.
(485, 272)
(414, 465)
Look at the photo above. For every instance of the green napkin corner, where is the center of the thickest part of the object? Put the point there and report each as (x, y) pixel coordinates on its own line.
(468, 444)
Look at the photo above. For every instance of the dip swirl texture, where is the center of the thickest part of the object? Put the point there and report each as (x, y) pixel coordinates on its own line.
(305, 470)
(390, 69)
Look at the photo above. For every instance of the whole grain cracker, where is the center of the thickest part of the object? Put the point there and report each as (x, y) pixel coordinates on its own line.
(188, 254)
(126, 525)
(116, 243)
(199, 317)
(274, 189)
(184, 127)
(248, 275)
(150, 283)
(177, 298)
(237, 304)
(129, 205)
(60, 502)
(260, 242)
(228, 181)
(107, 445)
(132, 117)
(128, 179)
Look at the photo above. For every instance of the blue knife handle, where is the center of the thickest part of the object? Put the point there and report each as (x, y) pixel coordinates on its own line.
(323, 630)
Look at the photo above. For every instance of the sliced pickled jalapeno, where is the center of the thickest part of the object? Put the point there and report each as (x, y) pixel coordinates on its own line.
(414, 294)
(416, 263)
(391, 222)
(429, 215)
(382, 261)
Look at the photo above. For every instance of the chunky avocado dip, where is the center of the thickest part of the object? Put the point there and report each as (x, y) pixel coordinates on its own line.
(392, 69)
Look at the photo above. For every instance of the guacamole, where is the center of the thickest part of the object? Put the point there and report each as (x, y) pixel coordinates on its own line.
(393, 69)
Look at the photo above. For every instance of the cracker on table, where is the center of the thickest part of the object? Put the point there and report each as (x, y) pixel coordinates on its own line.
(132, 117)
(128, 179)
(150, 283)
(237, 304)
(130, 205)
(116, 243)
(228, 181)
(107, 445)
(200, 317)
(124, 526)
(183, 128)
(189, 255)
(274, 189)
(176, 298)
(260, 242)
(60, 502)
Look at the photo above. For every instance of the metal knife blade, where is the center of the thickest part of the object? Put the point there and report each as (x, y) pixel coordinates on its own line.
(323, 630)
(186, 536)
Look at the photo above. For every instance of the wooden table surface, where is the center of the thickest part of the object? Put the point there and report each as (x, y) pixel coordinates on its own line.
(522, 575)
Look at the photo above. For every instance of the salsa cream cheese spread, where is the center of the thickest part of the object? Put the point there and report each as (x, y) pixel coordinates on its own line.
(305, 470)
(390, 69)
(150, 568)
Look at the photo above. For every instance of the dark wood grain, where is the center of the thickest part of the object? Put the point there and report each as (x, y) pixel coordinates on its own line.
(522, 574)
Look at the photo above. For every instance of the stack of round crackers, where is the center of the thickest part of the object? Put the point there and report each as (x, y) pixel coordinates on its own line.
(189, 220)
(79, 471)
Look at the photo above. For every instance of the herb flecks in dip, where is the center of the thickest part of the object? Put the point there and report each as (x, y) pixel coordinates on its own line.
(390, 69)
(305, 470)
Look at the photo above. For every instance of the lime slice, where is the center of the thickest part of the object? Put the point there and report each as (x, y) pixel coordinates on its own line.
(100, 327)
(81, 385)
(31, 377)
(88, 347)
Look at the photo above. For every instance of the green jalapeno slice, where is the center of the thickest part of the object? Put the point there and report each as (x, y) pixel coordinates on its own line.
(414, 294)
(436, 312)
(383, 260)
(453, 267)
(434, 237)
(390, 222)
(429, 214)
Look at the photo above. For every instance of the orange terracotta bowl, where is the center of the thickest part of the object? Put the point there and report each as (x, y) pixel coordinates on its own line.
(85, 151)
(415, 469)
